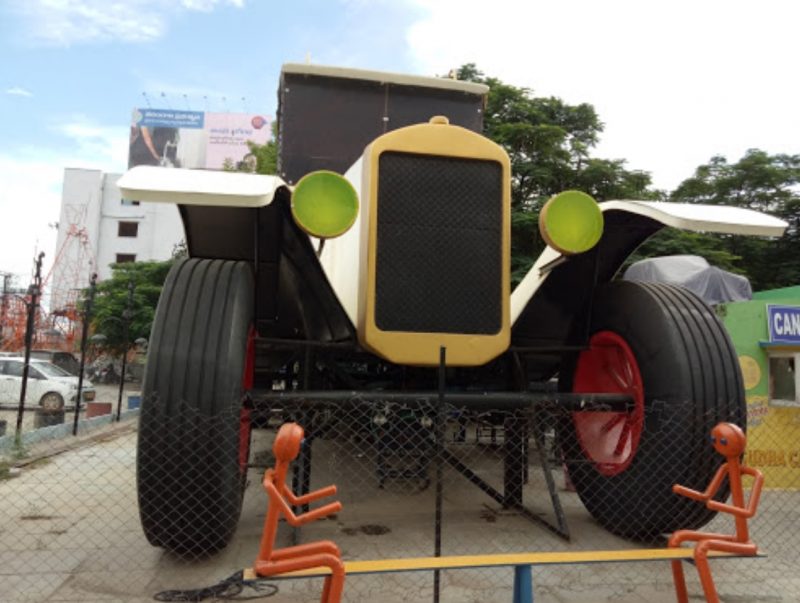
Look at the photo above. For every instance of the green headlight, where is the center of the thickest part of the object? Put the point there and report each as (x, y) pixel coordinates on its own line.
(571, 222)
(324, 204)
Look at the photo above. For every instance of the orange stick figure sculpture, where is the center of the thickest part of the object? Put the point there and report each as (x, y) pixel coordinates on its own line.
(323, 553)
(729, 441)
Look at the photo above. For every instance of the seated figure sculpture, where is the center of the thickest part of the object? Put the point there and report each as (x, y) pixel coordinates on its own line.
(312, 555)
(729, 440)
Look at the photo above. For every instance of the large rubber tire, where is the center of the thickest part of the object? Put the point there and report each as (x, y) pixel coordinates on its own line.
(189, 472)
(689, 380)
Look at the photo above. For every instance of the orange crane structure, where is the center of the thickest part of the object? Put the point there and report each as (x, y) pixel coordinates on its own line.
(74, 263)
(14, 304)
(13, 311)
(57, 326)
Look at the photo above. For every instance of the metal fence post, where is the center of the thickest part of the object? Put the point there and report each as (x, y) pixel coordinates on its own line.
(440, 418)
(35, 290)
(127, 314)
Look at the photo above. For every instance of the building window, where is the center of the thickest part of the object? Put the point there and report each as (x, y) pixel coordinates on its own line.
(127, 229)
(784, 384)
(125, 257)
(129, 201)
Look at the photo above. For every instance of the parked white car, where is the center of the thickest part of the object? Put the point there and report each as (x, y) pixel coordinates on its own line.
(49, 386)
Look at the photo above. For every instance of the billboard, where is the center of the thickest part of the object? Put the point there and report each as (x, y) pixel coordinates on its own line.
(194, 139)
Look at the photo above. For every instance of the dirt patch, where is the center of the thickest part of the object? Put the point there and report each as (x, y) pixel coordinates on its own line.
(39, 462)
(372, 529)
(38, 517)
(369, 529)
(489, 515)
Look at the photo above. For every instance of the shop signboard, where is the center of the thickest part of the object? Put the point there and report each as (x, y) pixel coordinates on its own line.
(783, 323)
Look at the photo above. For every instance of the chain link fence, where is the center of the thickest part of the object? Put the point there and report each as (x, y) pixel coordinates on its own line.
(502, 481)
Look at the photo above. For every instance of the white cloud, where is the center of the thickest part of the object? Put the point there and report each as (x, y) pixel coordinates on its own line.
(30, 187)
(67, 22)
(17, 91)
(97, 145)
(209, 5)
(674, 81)
(29, 199)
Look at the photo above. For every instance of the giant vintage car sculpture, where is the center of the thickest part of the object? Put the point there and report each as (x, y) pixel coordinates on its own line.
(404, 261)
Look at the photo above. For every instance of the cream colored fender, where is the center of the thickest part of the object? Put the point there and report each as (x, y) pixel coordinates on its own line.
(341, 258)
(198, 187)
(694, 217)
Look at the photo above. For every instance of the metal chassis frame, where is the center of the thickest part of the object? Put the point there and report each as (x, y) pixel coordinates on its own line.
(515, 445)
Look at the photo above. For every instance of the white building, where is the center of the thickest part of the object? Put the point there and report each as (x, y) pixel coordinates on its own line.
(97, 228)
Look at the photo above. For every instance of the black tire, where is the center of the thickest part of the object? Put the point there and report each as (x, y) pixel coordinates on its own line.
(189, 478)
(52, 402)
(691, 381)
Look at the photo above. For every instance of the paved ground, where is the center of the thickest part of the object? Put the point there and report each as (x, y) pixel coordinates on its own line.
(69, 531)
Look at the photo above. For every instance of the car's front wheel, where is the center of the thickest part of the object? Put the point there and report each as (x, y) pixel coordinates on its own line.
(52, 402)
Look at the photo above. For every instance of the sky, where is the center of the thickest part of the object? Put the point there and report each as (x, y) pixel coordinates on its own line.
(675, 82)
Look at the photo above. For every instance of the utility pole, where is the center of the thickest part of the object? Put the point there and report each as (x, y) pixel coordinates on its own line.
(4, 303)
(87, 317)
(34, 291)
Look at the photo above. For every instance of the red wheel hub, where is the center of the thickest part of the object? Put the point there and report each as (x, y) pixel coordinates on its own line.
(609, 439)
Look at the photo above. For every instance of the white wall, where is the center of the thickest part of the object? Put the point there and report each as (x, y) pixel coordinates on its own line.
(160, 229)
(80, 213)
(91, 204)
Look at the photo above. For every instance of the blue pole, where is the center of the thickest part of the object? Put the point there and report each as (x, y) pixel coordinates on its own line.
(523, 584)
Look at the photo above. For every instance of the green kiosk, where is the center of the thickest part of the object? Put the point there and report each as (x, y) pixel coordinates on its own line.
(766, 333)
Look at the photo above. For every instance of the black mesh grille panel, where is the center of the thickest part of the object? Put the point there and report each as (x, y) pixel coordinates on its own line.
(439, 244)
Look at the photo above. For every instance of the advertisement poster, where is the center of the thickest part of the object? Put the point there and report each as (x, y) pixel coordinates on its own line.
(195, 139)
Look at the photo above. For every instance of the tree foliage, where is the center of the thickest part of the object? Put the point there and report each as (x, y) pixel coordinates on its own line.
(266, 156)
(758, 181)
(111, 301)
(549, 143)
(672, 241)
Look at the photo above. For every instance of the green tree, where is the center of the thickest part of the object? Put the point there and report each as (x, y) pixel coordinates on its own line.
(266, 156)
(112, 298)
(761, 182)
(672, 241)
(549, 143)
